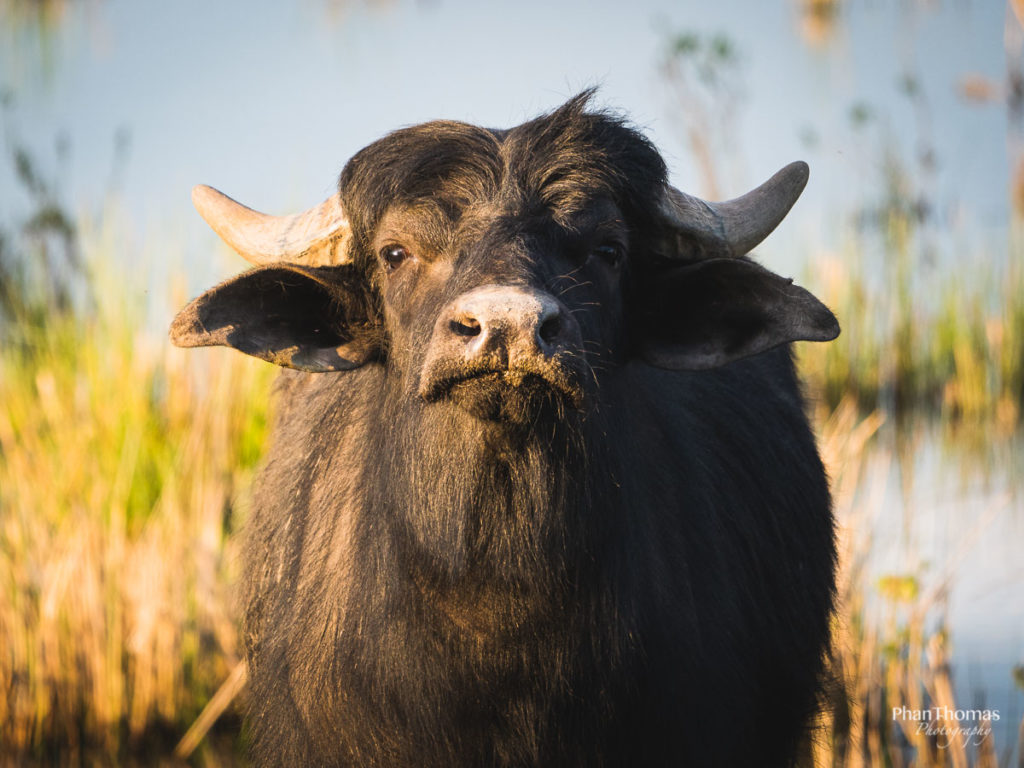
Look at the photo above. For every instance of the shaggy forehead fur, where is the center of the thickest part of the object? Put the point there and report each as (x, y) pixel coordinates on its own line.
(551, 167)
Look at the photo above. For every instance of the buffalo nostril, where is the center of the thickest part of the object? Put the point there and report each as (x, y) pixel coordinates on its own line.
(550, 329)
(466, 326)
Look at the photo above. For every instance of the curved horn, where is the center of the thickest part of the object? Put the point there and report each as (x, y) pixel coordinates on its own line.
(316, 238)
(734, 227)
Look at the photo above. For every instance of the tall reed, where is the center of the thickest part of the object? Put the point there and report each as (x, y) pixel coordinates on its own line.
(890, 636)
(122, 464)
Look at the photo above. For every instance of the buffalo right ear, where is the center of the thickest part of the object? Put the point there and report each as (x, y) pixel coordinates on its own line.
(712, 312)
(310, 318)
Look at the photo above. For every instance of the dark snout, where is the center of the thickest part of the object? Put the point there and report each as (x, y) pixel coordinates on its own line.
(511, 335)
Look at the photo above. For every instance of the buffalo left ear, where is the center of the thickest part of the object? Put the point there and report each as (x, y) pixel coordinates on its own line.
(710, 313)
(310, 318)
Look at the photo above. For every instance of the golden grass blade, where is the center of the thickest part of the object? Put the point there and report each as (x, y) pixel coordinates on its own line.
(213, 710)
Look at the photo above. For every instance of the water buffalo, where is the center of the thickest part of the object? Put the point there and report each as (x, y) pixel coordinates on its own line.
(541, 489)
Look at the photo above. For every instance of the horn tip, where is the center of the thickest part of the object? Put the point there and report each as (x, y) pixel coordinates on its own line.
(797, 174)
(203, 196)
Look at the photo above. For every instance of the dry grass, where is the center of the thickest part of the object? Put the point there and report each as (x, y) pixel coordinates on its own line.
(890, 636)
(121, 461)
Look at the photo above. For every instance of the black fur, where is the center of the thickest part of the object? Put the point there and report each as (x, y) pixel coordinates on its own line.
(645, 580)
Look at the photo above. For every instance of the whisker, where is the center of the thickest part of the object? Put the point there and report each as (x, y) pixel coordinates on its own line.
(575, 285)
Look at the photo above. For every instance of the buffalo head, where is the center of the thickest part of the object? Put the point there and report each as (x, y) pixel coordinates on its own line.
(504, 270)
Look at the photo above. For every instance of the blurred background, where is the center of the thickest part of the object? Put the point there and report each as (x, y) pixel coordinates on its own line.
(125, 464)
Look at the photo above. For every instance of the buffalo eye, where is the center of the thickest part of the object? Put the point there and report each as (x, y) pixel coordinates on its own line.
(393, 256)
(610, 253)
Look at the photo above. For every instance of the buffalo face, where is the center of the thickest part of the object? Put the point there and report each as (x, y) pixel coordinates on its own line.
(512, 315)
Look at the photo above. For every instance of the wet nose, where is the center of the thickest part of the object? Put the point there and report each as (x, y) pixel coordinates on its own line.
(508, 322)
